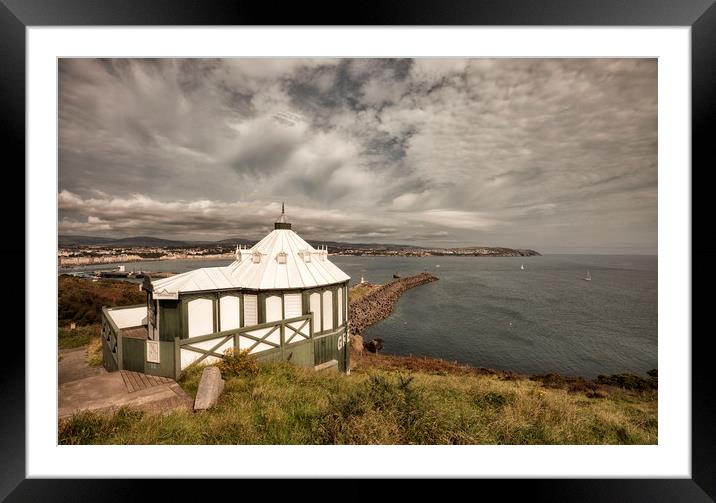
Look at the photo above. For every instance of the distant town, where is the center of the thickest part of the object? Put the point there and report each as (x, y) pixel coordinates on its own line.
(85, 250)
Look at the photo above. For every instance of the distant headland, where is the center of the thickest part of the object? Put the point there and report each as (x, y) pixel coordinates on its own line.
(82, 250)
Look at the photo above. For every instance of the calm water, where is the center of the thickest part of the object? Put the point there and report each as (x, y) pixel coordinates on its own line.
(487, 312)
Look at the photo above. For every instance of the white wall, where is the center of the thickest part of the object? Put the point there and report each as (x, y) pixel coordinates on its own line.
(201, 317)
(293, 305)
(188, 357)
(251, 310)
(327, 310)
(245, 342)
(315, 301)
(273, 308)
(230, 312)
(125, 318)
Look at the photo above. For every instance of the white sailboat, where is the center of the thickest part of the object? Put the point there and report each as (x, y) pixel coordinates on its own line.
(522, 267)
(588, 277)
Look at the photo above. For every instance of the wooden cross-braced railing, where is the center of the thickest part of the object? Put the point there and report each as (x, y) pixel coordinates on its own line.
(298, 328)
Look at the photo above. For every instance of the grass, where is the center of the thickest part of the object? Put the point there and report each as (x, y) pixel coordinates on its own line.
(282, 404)
(358, 291)
(68, 338)
(94, 352)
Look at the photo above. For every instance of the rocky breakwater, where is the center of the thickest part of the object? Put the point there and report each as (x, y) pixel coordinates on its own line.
(377, 304)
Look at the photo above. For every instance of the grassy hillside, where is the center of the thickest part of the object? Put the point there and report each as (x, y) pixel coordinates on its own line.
(384, 402)
(81, 300)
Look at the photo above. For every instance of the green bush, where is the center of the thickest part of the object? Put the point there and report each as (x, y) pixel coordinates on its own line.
(493, 400)
(627, 381)
(237, 362)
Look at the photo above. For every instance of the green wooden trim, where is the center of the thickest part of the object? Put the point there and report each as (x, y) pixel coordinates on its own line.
(242, 321)
(229, 293)
(207, 352)
(240, 331)
(298, 331)
(216, 310)
(305, 302)
(109, 341)
(147, 284)
(184, 306)
(285, 348)
(334, 307)
(116, 334)
(329, 334)
(119, 308)
(184, 315)
(112, 324)
(261, 308)
(177, 358)
(260, 339)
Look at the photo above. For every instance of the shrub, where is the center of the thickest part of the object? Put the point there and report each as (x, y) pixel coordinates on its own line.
(237, 362)
(493, 400)
(627, 381)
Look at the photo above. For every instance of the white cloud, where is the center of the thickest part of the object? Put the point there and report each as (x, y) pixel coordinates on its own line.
(441, 149)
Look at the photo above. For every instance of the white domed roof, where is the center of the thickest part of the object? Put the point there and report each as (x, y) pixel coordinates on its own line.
(281, 260)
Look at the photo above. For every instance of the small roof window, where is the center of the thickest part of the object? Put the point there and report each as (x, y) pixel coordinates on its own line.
(281, 257)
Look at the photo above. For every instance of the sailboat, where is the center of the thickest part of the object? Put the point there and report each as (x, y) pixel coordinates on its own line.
(522, 267)
(588, 277)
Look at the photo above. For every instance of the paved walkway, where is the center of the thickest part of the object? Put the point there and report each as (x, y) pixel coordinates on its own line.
(73, 365)
(93, 388)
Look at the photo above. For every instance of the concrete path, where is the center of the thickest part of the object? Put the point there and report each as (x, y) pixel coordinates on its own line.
(73, 365)
(93, 388)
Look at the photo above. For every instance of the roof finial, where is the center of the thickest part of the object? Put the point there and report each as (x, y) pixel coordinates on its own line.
(281, 222)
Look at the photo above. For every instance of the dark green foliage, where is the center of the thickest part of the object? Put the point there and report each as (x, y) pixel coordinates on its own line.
(237, 363)
(627, 381)
(81, 300)
(493, 400)
(570, 383)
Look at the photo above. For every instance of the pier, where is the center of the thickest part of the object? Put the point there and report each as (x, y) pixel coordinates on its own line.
(377, 304)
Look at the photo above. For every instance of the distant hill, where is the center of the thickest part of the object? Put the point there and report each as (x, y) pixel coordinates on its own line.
(81, 240)
(338, 244)
(65, 240)
(131, 241)
(374, 248)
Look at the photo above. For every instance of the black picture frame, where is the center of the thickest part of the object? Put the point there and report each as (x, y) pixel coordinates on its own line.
(700, 15)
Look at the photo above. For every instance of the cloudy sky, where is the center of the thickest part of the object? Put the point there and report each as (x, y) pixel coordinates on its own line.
(558, 155)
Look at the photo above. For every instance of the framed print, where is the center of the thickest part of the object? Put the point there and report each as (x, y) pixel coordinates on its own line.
(557, 140)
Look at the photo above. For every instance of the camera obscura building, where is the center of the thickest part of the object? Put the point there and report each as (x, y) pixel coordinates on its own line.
(281, 299)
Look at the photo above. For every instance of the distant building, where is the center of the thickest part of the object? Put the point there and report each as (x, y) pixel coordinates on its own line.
(282, 299)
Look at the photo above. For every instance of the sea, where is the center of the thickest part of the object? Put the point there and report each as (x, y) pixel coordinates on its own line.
(490, 312)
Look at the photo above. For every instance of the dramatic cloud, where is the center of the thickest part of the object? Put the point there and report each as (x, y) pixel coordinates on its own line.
(554, 154)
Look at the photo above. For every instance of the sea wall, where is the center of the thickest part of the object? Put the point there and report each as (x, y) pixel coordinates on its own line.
(378, 304)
